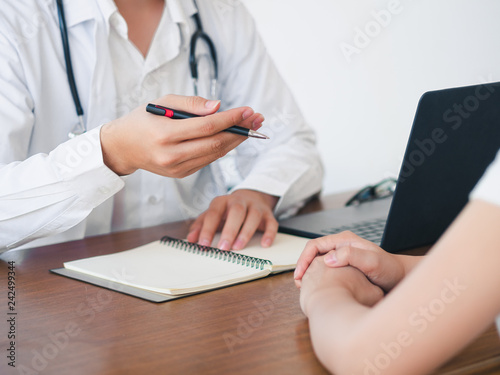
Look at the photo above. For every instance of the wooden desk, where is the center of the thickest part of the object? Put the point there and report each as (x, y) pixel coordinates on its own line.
(65, 326)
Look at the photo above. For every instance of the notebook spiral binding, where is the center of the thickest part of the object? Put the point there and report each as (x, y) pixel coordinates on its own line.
(212, 252)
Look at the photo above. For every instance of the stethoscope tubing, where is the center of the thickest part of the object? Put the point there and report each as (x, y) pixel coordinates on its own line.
(193, 63)
(67, 58)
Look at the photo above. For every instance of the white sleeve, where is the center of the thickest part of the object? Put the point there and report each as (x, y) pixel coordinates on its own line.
(48, 194)
(288, 165)
(488, 187)
(42, 194)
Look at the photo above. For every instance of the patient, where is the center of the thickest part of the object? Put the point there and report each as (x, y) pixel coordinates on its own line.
(372, 312)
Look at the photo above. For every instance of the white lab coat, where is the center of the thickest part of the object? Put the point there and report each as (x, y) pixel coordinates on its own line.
(54, 189)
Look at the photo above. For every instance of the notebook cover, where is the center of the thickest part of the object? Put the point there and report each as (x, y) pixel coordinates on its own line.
(117, 287)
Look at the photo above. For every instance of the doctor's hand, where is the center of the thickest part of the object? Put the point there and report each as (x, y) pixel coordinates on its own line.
(239, 215)
(173, 148)
(347, 249)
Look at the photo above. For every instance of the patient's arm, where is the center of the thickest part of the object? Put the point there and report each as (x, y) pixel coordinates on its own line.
(449, 298)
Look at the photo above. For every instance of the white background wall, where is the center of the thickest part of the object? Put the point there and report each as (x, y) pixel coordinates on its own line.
(362, 109)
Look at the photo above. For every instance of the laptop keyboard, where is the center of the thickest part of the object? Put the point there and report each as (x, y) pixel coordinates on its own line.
(370, 230)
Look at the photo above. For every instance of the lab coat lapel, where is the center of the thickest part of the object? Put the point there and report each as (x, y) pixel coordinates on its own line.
(78, 11)
(177, 33)
(84, 18)
(103, 98)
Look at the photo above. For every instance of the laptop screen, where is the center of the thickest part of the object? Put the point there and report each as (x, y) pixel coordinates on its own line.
(455, 136)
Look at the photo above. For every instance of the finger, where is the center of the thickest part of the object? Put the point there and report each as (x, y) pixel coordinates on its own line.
(254, 122)
(343, 256)
(191, 104)
(191, 156)
(375, 297)
(364, 260)
(236, 216)
(331, 259)
(196, 164)
(200, 127)
(308, 254)
(195, 229)
(314, 248)
(270, 231)
(211, 222)
(252, 222)
(325, 244)
(212, 148)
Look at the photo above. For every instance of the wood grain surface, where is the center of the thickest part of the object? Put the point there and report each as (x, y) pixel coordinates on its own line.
(64, 326)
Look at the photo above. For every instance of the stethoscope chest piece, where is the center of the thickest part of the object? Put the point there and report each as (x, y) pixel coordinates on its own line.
(78, 129)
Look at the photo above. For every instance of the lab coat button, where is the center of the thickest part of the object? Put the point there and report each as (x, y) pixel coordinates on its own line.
(153, 200)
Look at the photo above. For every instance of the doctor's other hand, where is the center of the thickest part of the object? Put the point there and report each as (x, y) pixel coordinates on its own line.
(239, 215)
(321, 284)
(173, 148)
(347, 249)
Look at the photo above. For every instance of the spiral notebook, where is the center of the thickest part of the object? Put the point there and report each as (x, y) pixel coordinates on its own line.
(172, 268)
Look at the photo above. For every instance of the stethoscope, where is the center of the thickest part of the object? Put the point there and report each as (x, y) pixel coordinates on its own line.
(199, 34)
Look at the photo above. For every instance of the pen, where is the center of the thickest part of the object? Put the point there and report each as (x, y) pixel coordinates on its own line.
(179, 115)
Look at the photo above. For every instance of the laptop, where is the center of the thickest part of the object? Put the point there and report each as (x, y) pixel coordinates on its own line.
(454, 137)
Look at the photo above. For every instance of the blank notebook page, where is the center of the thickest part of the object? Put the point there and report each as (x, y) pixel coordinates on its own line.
(161, 268)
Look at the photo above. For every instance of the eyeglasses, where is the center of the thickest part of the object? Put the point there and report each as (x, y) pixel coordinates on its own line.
(384, 188)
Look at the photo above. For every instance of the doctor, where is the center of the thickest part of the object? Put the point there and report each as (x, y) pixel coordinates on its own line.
(124, 172)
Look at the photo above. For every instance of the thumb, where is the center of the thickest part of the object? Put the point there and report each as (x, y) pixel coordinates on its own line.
(192, 104)
(333, 260)
(364, 260)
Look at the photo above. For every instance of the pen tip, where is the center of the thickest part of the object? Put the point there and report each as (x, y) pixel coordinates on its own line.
(254, 134)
